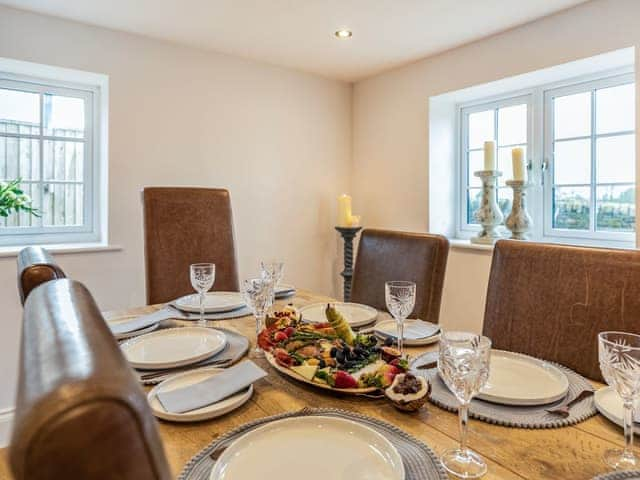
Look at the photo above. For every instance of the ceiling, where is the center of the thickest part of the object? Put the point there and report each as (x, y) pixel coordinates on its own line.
(299, 33)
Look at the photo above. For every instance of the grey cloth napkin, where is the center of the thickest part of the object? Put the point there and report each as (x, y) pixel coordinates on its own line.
(211, 390)
(141, 322)
(415, 330)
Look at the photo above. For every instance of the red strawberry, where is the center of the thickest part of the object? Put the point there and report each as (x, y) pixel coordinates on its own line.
(280, 336)
(344, 380)
(289, 331)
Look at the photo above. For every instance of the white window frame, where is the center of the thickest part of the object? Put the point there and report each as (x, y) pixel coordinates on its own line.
(539, 157)
(92, 229)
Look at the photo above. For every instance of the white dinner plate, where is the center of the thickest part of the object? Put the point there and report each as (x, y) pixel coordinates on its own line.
(173, 347)
(413, 334)
(516, 379)
(285, 290)
(134, 333)
(355, 314)
(313, 448)
(214, 302)
(204, 413)
(609, 404)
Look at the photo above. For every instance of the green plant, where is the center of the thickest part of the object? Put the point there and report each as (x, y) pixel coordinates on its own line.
(13, 199)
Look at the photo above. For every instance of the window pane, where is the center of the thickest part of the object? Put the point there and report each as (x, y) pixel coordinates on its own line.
(63, 116)
(505, 164)
(572, 162)
(571, 208)
(473, 203)
(62, 204)
(616, 208)
(63, 160)
(505, 200)
(476, 162)
(480, 128)
(615, 110)
(512, 125)
(23, 219)
(19, 111)
(615, 157)
(572, 115)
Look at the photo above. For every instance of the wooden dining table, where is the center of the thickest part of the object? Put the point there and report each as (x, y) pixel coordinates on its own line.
(573, 452)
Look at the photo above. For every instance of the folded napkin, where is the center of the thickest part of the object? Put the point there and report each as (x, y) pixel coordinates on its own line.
(141, 322)
(211, 390)
(414, 330)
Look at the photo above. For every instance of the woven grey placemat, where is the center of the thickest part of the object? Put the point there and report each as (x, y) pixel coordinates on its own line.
(182, 315)
(520, 417)
(625, 475)
(237, 347)
(420, 462)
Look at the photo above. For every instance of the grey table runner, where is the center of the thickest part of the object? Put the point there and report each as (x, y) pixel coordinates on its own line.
(625, 475)
(420, 462)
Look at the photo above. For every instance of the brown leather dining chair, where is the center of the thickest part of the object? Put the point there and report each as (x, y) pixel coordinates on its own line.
(35, 266)
(551, 301)
(385, 255)
(182, 226)
(80, 414)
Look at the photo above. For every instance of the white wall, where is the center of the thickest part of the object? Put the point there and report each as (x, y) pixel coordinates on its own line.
(279, 140)
(391, 138)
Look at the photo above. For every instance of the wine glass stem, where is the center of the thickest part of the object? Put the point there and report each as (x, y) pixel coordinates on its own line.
(628, 429)
(463, 419)
(400, 322)
(259, 326)
(202, 321)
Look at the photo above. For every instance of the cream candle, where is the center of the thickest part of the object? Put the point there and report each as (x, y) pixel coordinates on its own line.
(489, 155)
(354, 221)
(344, 210)
(517, 158)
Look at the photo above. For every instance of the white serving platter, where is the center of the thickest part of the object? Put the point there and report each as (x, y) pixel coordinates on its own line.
(516, 379)
(388, 328)
(356, 314)
(173, 347)
(204, 413)
(313, 448)
(214, 302)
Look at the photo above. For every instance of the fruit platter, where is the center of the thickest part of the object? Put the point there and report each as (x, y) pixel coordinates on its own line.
(329, 355)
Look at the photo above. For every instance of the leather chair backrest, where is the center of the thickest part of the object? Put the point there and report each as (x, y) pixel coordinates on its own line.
(35, 266)
(551, 301)
(385, 255)
(184, 226)
(80, 414)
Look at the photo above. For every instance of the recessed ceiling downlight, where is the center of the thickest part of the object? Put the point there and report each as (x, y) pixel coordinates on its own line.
(343, 33)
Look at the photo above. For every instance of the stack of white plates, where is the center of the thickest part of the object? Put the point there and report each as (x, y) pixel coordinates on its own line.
(173, 347)
(356, 314)
(609, 404)
(315, 447)
(516, 379)
(214, 302)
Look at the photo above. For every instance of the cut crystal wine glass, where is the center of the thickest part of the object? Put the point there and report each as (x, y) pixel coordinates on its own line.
(202, 277)
(619, 356)
(401, 298)
(463, 365)
(257, 295)
(272, 272)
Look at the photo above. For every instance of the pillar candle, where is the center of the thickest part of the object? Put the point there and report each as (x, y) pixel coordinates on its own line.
(489, 155)
(354, 221)
(344, 210)
(517, 157)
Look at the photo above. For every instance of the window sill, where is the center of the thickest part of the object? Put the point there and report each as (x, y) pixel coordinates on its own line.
(63, 249)
(465, 244)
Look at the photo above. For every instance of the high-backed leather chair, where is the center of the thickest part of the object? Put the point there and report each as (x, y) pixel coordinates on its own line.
(184, 226)
(35, 266)
(80, 414)
(385, 255)
(551, 301)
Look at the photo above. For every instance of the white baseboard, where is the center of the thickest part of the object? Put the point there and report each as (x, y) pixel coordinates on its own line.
(6, 421)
